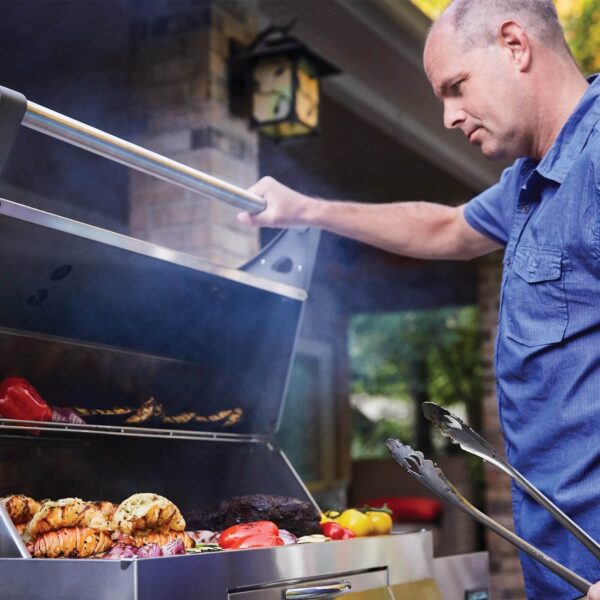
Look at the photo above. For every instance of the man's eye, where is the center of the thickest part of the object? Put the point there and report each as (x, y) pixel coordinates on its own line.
(455, 87)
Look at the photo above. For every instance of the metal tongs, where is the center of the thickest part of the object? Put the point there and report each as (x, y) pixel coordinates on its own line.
(469, 440)
(432, 477)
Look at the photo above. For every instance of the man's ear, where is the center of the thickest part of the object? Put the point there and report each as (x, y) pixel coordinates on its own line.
(514, 39)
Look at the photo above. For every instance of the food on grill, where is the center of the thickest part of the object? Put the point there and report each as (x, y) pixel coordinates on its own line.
(151, 411)
(335, 531)
(203, 536)
(259, 534)
(291, 514)
(108, 509)
(161, 538)
(67, 512)
(66, 415)
(173, 548)
(381, 520)
(312, 539)
(20, 400)
(20, 508)
(71, 542)
(287, 537)
(142, 514)
(361, 522)
(150, 551)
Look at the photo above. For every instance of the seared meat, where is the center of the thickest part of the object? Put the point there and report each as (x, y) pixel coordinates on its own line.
(67, 512)
(145, 513)
(20, 508)
(77, 542)
(300, 518)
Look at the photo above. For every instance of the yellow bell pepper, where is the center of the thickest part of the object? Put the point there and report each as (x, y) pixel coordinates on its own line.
(381, 521)
(356, 521)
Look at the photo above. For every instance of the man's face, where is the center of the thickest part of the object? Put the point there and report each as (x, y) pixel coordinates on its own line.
(479, 91)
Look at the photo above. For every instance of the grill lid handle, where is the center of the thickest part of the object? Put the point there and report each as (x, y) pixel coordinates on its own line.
(15, 109)
(12, 108)
(321, 591)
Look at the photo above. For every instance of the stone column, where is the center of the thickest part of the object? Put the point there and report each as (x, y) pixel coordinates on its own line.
(179, 76)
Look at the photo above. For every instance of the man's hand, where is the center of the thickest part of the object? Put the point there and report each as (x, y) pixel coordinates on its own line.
(594, 592)
(285, 207)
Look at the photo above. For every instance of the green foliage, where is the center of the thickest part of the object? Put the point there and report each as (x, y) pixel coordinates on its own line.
(410, 356)
(368, 438)
(580, 19)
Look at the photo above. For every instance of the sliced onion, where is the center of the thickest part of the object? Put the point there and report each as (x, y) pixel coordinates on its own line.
(287, 537)
(150, 551)
(122, 551)
(175, 547)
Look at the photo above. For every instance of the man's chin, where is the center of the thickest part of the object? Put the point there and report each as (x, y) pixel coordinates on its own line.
(492, 152)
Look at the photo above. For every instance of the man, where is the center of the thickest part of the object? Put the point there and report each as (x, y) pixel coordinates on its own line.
(507, 79)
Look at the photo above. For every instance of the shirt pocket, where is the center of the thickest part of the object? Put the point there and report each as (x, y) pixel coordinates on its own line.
(536, 311)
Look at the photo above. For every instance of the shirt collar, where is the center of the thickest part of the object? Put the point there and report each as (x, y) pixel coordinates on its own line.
(573, 136)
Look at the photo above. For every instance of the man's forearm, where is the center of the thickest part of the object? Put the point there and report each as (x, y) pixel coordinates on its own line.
(417, 229)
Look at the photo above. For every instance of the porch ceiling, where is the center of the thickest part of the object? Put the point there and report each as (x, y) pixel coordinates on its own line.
(378, 45)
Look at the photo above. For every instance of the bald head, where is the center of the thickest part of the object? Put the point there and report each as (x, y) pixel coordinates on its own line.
(477, 21)
(504, 74)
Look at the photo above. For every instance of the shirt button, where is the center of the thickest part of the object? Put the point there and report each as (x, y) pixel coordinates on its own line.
(525, 208)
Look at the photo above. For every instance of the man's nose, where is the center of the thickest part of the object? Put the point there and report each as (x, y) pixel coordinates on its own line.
(454, 116)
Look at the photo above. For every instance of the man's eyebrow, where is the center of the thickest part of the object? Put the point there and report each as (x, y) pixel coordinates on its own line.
(450, 81)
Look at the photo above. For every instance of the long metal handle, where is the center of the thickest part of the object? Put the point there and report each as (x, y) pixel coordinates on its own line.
(469, 440)
(320, 591)
(79, 134)
(569, 576)
(591, 544)
(434, 479)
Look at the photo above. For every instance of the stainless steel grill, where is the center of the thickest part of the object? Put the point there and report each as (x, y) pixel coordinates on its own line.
(126, 321)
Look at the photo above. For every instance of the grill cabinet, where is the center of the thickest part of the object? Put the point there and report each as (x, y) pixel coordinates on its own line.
(97, 320)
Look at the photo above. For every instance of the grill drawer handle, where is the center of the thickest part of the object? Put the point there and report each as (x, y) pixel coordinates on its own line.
(320, 591)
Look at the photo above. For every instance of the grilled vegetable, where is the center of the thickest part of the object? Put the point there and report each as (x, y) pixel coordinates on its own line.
(335, 531)
(20, 400)
(162, 538)
(203, 547)
(381, 521)
(356, 521)
(312, 539)
(251, 535)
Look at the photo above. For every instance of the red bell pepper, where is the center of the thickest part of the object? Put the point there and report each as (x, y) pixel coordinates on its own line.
(335, 531)
(250, 535)
(256, 541)
(20, 400)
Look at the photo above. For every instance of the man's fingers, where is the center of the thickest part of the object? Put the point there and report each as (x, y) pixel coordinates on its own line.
(244, 217)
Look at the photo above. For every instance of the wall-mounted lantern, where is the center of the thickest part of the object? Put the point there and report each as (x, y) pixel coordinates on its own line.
(275, 81)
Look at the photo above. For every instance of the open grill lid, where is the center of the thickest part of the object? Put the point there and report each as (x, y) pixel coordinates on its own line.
(128, 333)
(105, 323)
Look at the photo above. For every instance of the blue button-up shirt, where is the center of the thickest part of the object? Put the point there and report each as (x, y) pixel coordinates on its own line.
(547, 214)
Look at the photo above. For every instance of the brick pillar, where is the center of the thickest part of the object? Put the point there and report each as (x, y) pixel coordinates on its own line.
(506, 576)
(179, 58)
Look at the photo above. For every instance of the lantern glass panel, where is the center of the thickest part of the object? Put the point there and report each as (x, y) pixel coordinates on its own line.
(307, 94)
(272, 96)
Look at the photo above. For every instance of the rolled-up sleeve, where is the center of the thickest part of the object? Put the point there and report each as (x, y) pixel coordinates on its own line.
(491, 212)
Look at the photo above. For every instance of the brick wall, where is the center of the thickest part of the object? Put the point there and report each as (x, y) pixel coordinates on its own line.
(179, 76)
(506, 576)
